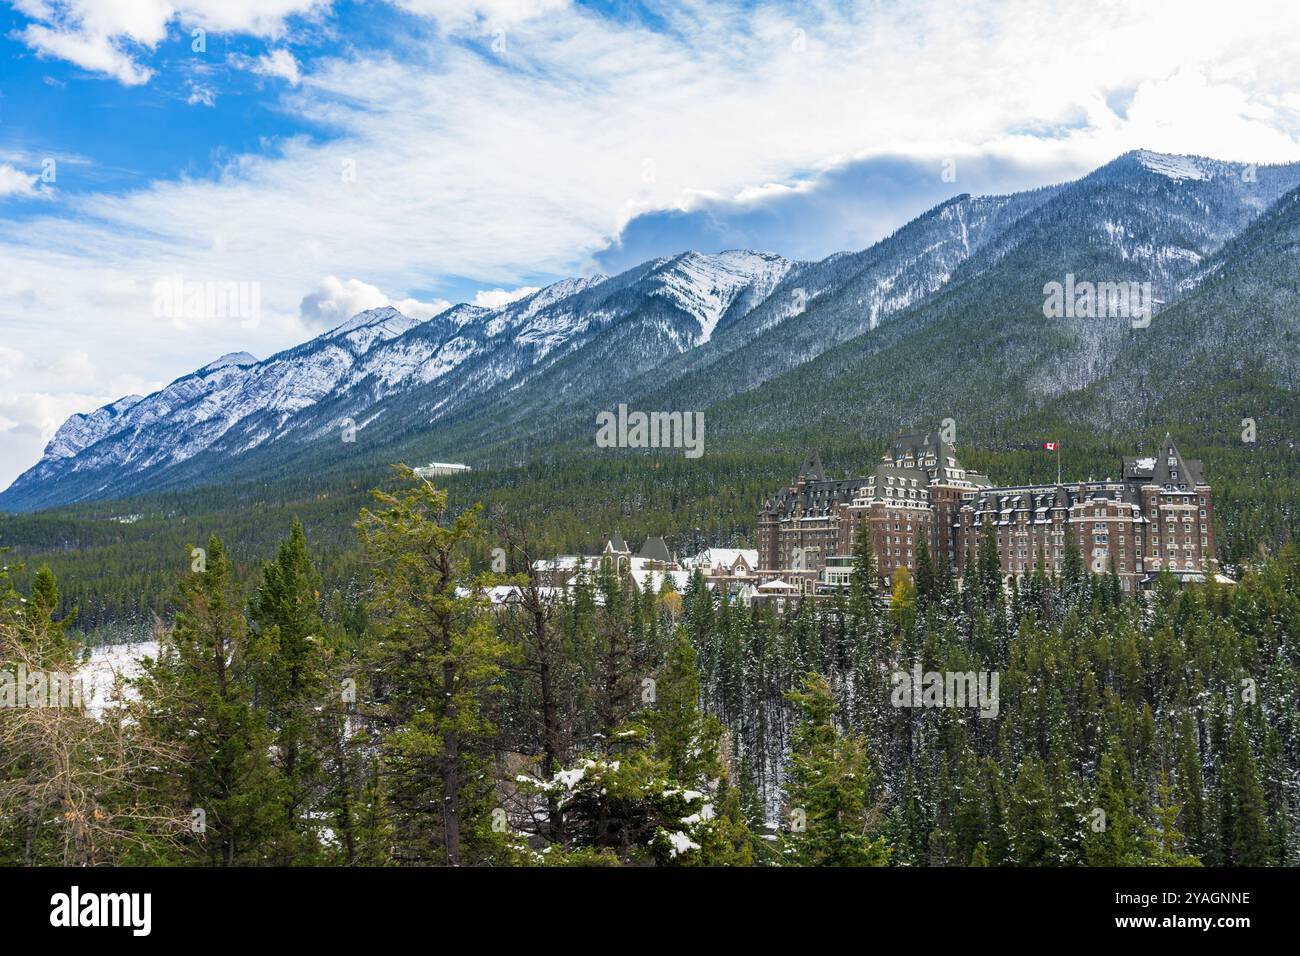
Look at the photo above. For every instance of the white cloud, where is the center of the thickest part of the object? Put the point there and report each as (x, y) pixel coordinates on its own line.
(39, 392)
(276, 63)
(15, 182)
(459, 162)
(495, 298)
(95, 52)
(201, 95)
(421, 310)
(98, 35)
(336, 301)
(489, 14)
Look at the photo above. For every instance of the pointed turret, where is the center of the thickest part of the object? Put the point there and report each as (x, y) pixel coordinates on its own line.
(811, 469)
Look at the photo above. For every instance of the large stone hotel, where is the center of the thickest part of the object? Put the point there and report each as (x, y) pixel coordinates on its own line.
(1159, 514)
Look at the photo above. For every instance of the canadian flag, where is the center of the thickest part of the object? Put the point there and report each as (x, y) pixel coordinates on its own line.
(1050, 445)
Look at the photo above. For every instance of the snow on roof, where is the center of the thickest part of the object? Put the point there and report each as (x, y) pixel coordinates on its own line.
(509, 593)
(724, 557)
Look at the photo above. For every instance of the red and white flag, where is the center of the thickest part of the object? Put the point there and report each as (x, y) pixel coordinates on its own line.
(1050, 445)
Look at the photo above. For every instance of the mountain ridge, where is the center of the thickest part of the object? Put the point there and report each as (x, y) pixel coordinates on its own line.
(689, 330)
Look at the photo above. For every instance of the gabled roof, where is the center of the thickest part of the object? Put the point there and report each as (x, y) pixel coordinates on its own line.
(655, 549)
(727, 558)
(617, 544)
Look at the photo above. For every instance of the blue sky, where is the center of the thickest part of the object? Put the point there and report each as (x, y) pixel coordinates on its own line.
(338, 155)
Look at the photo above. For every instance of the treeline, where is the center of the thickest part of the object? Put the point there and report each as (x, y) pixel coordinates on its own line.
(282, 723)
(117, 560)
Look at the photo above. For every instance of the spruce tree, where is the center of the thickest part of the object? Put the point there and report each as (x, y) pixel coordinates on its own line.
(1031, 818)
(829, 788)
(197, 697)
(289, 676)
(1246, 833)
(437, 662)
(926, 579)
(1114, 835)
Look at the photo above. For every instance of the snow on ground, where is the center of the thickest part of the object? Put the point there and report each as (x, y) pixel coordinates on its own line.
(106, 663)
(1175, 167)
(705, 285)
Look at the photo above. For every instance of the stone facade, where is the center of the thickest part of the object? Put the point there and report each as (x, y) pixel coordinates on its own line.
(1158, 514)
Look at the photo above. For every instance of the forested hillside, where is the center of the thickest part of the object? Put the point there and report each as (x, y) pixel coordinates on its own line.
(282, 725)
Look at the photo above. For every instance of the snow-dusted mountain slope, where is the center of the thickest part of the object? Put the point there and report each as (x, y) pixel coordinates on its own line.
(682, 331)
(81, 431)
(382, 360)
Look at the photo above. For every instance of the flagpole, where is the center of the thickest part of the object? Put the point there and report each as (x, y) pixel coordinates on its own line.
(1058, 464)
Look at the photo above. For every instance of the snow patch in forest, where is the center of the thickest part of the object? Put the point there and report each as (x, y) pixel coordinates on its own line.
(99, 674)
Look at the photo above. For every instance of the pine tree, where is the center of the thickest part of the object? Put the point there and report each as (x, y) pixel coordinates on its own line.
(45, 604)
(197, 697)
(1246, 832)
(1072, 570)
(1031, 817)
(829, 788)
(687, 743)
(1168, 849)
(1113, 838)
(988, 572)
(1190, 788)
(999, 850)
(613, 678)
(437, 662)
(684, 738)
(864, 579)
(289, 675)
(926, 578)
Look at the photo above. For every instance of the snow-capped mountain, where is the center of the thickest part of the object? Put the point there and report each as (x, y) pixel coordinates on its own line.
(955, 294)
(383, 361)
(81, 430)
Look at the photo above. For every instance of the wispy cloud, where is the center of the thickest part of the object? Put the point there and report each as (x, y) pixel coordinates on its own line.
(15, 182)
(111, 37)
(279, 63)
